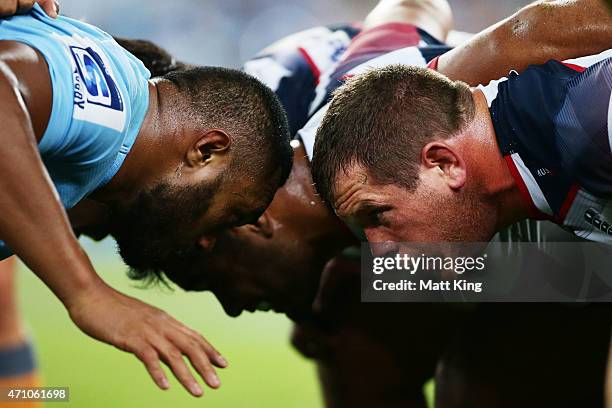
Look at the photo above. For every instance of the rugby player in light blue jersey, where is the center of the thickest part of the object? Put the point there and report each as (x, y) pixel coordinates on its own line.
(89, 142)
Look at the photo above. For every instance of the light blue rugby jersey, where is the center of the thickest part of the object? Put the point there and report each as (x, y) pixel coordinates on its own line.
(100, 98)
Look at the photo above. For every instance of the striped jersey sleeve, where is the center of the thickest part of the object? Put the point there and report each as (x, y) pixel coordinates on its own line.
(553, 127)
(292, 66)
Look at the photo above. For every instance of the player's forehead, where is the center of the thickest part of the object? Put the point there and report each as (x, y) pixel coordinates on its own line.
(352, 186)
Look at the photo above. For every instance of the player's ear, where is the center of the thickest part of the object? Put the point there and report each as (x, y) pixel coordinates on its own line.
(263, 225)
(207, 147)
(449, 163)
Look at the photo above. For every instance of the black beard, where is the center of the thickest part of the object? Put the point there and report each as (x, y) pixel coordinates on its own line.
(150, 232)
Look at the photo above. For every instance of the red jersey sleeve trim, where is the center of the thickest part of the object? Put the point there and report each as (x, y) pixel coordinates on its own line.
(384, 38)
(574, 67)
(433, 64)
(316, 72)
(534, 212)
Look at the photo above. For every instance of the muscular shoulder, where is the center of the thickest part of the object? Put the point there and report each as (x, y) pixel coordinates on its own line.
(24, 66)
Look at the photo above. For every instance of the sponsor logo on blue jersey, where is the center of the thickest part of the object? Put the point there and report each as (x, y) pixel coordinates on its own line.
(93, 82)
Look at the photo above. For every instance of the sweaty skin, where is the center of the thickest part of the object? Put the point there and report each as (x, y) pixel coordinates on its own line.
(36, 226)
(276, 262)
(560, 29)
(388, 214)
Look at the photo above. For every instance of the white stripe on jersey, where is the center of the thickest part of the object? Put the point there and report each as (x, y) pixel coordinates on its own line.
(323, 51)
(537, 196)
(321, 89)
(491, 90)
(408, 56)
(590, 59)
(308, 133)
(268, 71)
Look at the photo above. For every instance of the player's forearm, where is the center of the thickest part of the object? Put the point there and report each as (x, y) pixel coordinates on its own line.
(537, 33)
(33, 222)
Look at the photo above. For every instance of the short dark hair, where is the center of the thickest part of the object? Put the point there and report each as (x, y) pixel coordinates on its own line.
(382, 119)
(157, 60)
(250, 111)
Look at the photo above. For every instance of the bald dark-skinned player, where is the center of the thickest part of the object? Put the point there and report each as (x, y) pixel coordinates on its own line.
(284, 247)
(91, 142)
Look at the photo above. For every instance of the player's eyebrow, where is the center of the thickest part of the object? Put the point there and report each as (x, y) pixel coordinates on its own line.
(366, 208)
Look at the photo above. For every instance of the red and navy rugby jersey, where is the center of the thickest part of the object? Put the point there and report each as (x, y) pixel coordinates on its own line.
(553, 125)
(393, 43)
(292, 66)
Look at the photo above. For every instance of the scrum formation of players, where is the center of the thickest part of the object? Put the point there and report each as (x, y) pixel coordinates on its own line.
(255, 184)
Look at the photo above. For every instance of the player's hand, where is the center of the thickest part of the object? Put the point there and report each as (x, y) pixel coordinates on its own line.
(12, 7)
(150, 334)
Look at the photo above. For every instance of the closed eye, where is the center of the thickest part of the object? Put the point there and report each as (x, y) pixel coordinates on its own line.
(372, 216)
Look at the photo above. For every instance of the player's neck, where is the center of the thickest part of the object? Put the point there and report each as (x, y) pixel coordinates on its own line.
(498, 185)
(139, 168)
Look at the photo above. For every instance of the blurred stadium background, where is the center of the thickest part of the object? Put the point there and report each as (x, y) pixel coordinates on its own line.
(264, 369)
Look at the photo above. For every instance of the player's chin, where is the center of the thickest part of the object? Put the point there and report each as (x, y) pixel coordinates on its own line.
(292, 309)
(232, 310)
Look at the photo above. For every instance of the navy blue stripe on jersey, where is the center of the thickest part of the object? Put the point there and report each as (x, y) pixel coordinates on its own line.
(434, 51)
(552, 126)
(582, 129)
(522, 117)
(428, 40)
(292, 66)
(351, 30)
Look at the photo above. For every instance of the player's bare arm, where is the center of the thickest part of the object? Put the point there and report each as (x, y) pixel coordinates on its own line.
(34, 224)
(537, 33)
